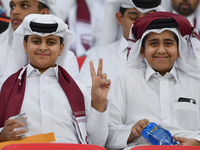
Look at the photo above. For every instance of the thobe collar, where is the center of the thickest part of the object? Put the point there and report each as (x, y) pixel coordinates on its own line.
(123, 44)
(190, 18)
(52, 71)
(151, 73)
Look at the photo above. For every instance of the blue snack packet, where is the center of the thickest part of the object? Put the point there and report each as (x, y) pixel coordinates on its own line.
(156, 135)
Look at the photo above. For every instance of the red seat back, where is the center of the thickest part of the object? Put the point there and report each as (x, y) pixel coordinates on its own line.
(52, 146)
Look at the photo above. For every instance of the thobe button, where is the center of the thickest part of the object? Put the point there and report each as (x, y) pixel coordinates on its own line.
(35, 70)
(164, 118)
(164, 101)
(164, 82)
(43, 92)
(43, 108)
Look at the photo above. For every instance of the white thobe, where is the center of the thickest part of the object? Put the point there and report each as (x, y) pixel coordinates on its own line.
(114, 59)
(145, 94)
(97, 20)
(48, 110)
(7, 60)
(67, 11)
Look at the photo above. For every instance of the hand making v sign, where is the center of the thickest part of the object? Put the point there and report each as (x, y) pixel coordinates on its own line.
(100, 87)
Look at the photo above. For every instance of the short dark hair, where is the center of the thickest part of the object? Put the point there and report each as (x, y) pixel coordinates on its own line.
(145, 38)
(26, 39)
(42, 6)
(122, 10)
(61, 40)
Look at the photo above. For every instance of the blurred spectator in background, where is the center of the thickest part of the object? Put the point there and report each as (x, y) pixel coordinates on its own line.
(4, 21)
(189, 9)
(2, 10)
(6, 9)
(85, 20)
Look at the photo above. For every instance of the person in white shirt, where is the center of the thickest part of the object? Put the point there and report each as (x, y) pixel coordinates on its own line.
(52, 100)
(93, 27)
(161, 69)
(9, 63)
(189, 9)
(6, 8)
(115, 53)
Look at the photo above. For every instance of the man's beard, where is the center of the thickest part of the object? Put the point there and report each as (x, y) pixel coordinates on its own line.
(185, 11)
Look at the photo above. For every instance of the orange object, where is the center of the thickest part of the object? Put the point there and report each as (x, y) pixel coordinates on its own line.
(40, 138)
(53, 146)
(4, 19)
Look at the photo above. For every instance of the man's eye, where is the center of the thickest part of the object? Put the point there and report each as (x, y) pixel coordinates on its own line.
(133, 17)
(51, 42)
(24, 5)
(153, 43)
(12, 7)
(36, 42)
(168, 43)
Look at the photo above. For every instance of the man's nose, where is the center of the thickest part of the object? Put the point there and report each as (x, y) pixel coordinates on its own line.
(161, 49)
(43, 46)
(15, 10)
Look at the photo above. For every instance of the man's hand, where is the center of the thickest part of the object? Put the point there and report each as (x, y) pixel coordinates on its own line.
(8, 132)
(137, 129)
(100, 87)
(186, 141)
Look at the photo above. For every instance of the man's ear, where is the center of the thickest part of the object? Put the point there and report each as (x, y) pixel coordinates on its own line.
(25, 47)
(142, 52)
(61, 49)
(119, 18)
(44, 11)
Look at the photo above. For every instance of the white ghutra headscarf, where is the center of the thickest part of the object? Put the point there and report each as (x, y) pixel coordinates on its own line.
(189, 43)
(62, 30)
(112, 30)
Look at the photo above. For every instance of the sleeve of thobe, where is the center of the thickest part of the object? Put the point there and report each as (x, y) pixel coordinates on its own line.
(97, 122)
(97, 127)
(118, 131)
